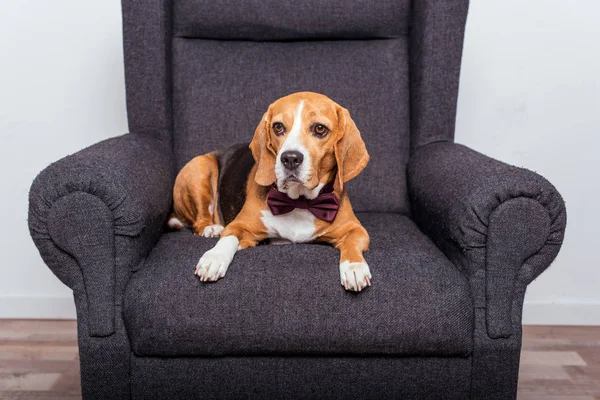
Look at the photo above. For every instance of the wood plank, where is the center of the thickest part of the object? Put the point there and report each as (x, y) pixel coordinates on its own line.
(32, 381)
(553, 358)
(38, 361)
(50, 352)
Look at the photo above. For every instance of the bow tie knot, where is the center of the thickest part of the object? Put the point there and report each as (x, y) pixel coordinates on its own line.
(325, 206)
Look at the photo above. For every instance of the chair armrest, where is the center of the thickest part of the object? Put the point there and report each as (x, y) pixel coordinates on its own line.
(498, 223)
(96, 214)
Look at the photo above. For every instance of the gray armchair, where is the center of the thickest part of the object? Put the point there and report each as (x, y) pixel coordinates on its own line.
(456, 237)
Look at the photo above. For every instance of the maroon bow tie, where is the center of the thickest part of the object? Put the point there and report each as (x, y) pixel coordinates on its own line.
(325, 206)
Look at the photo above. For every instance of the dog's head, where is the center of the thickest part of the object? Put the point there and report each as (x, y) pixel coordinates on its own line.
(303, 140)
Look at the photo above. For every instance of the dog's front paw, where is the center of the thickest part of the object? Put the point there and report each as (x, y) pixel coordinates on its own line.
(214, 263)
(355, 276)
(212, 266)
(213, 231)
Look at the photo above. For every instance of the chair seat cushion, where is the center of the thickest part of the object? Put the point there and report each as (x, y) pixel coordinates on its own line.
(283, 300)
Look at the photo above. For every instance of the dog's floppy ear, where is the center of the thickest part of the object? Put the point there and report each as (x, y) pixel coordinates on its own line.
(350, 150)
(263, 152)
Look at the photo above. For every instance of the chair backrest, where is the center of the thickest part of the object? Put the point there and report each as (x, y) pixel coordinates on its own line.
(201, 74)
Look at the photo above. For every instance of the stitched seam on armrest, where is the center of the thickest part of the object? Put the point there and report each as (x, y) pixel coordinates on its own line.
(484, 246)
(116, 232)
(479, 246)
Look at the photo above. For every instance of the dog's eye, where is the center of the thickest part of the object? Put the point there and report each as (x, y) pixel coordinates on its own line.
(278, 128)
(320, 130)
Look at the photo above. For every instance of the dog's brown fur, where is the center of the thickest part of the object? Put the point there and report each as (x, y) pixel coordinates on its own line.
(340, 155)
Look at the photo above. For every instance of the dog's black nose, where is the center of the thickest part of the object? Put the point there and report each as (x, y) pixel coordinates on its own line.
(291, 159)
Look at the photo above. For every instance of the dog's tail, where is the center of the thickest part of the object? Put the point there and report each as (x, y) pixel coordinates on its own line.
(174, 223)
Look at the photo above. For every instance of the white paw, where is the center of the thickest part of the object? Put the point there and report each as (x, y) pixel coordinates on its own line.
(213, 230)
(212, 266)
(214, 263)
(355, 276)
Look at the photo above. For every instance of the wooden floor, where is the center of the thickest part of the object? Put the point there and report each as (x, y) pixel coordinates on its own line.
(38, 360)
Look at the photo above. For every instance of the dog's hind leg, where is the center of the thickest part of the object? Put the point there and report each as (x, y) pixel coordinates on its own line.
(195, 197)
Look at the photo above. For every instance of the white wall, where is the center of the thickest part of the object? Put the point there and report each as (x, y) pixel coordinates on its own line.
(530, 95)
(61, 89)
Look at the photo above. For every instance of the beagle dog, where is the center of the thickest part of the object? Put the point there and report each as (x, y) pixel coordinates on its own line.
(287, 185)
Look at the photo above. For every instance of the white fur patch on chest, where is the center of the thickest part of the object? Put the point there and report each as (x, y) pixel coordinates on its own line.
(297, 226)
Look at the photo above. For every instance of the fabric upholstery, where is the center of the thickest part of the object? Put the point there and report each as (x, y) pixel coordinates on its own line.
(147, 47)
(191, 91)
(301, 378)
(496, 360)
(104, 361)
(454, 191)
(487, 215)
(436, 42)
(81, 224)
(288, 300)
(518, 228)
(292, 20)
(222, 89)
(122, 187)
